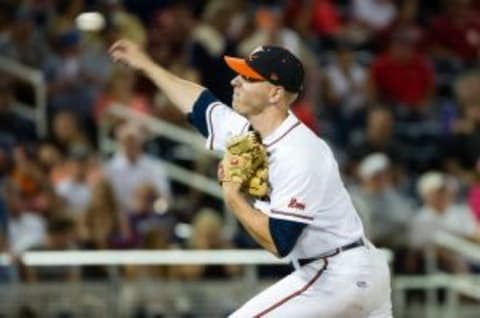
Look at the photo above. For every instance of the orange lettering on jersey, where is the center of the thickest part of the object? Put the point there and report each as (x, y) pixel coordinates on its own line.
(294, 204)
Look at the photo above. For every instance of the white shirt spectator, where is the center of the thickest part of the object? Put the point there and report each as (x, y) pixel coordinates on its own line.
(377, 14)
(126, 177)
(456, 220)
(75, 194)
(25, 231)
(348, 86)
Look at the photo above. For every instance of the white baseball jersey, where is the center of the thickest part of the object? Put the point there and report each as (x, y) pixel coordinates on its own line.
(305, 181)
(306, 187)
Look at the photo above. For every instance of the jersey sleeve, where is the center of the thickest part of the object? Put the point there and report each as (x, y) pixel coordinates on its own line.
(303, 188)
(216, 121)
(292, 197)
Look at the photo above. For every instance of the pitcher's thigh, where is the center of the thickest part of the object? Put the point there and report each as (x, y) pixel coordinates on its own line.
(273, 296)
(322, 295)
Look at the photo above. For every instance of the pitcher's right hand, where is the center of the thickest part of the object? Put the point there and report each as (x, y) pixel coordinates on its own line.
(128, 52)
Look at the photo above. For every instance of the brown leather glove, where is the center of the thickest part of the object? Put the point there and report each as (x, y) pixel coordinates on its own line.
(246, 162)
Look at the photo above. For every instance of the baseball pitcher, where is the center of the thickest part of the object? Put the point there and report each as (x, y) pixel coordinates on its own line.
(283, 184)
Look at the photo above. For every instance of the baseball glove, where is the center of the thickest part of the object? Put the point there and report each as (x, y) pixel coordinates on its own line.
(246, 162)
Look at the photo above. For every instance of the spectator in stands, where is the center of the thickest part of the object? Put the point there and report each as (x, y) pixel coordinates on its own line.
(369, 17)
(464, 150)
(128, 25)
(404, 80)
(60, 237)
(3, 213)
(27, 174)
(210, 43)
(25, 229)
(374, 14)
(150, 212)
(406, 20)
(119, 91)
(345, 89)
(455, 34)
(401, 77)
(345, 79)
(168, 45)
(65, 13)
(103, 226)
(49, 204)
(439, 213)
(152, 228)
(51, 160)
(307, 114)
(7, 14)
(377, 137)
(74, 189)
(23, 42)
(13, 127)
(94, 60)
(8, 273)
(474, 193)
(384, 210)
(173, 23)
(67, 132)
(69, 84)
(315, 19)
(131, 167)
(207, 235)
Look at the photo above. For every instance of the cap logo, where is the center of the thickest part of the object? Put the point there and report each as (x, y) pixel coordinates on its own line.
(253, 55)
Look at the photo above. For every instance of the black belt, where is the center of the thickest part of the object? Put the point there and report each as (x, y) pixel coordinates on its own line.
(357, 243)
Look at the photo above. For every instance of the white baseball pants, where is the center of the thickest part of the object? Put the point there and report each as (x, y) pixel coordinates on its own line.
(354, 283)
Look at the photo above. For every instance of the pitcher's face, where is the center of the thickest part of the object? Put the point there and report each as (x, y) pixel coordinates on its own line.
(250, 96)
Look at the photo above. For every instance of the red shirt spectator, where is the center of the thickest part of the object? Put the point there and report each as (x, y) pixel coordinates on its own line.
(120, 91)
(405, 21)
(402, 76)
(325, 18)
(457, 32)
(319, 16)
(304, 111)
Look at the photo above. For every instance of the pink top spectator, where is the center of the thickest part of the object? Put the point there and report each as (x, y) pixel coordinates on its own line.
(474, 200)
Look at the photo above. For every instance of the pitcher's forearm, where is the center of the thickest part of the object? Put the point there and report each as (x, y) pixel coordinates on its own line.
(254, 221)
(182, 93)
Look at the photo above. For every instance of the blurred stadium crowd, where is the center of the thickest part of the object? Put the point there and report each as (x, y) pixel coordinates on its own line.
(393, 86)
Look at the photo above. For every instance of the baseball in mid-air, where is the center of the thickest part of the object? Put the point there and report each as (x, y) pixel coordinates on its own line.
(90, 21)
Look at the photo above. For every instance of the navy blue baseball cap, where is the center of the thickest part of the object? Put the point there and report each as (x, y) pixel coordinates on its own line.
(274, 64)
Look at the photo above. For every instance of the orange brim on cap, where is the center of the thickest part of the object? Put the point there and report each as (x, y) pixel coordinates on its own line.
(240, 66)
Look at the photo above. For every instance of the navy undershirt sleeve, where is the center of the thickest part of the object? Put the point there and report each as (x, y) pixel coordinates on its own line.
(285, 234)
(197, 117)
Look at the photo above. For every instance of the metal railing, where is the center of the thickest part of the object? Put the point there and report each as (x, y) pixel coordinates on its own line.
(157, 126)
(455, 285)
(37, 113)
(234, 290)
(434, 280)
